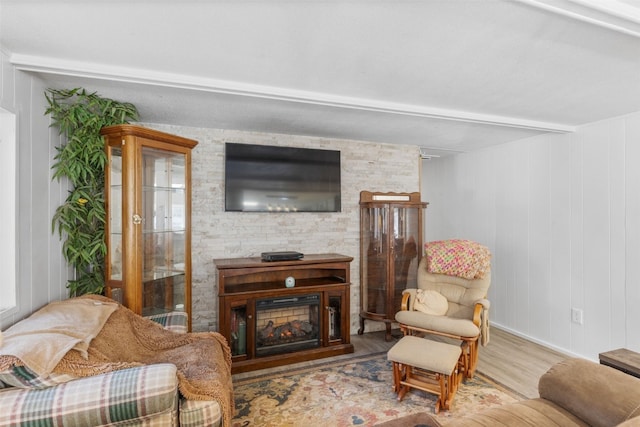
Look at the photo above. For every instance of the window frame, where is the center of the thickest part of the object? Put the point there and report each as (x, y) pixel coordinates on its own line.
(8, 216)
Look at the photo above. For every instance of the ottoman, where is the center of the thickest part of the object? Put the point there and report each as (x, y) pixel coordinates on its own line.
(427, 365)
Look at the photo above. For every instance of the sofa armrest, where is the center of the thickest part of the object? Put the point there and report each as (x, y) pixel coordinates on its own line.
(485, 303)
(481, 319)
(597, 394)
(114, 397)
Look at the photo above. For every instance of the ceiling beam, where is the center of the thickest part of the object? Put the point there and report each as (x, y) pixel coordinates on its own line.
(611, 14)
(45, 65)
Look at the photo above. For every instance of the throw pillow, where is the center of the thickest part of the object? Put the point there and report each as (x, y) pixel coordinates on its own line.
(431, 302)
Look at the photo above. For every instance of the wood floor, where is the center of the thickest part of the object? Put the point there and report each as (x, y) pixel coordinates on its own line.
(516, 362)
(508, 359)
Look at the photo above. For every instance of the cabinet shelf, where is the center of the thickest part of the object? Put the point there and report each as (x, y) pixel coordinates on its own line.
(163, 188)
(251, 287)
(118, 233)
(161, 274)
(155, 275)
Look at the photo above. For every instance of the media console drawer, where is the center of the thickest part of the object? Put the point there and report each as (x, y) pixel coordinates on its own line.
(281, 312)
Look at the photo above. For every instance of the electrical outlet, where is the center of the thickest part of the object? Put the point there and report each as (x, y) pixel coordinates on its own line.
(576, 316)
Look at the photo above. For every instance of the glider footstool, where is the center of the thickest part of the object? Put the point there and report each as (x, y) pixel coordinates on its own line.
(427, 365)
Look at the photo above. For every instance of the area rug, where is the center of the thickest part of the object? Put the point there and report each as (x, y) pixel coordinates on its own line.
(353, 392)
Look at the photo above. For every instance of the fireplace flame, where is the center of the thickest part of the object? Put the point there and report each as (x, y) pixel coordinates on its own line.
(271, 334)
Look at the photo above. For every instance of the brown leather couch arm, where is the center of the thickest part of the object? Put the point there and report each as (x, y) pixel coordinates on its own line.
(597, 394)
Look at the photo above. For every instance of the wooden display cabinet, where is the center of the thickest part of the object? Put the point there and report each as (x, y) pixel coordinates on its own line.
(268, 324)
(148, 231)
(390, 250)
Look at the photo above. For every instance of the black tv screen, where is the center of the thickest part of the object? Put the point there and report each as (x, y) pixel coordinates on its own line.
(263, 178)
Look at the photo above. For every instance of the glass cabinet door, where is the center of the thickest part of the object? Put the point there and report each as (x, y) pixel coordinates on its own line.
(114, 196)
(238, 328)
(147, 233)
(391, 248)
(375, 250)
(405, 250)
(163, 231)
(334, 316)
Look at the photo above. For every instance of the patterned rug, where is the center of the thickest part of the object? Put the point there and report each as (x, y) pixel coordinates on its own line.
(353, 392)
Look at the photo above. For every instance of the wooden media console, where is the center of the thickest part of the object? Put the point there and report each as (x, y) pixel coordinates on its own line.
(282, 312)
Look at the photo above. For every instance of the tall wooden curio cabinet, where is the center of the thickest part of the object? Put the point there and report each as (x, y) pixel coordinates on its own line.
(390, 250)
(148, 231)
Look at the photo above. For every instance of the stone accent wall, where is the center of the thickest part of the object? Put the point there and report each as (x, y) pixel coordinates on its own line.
(219, 234)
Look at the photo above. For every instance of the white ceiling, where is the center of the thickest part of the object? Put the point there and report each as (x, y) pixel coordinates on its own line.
(450, 75)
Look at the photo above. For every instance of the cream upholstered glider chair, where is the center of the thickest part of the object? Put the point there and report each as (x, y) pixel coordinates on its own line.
(450, 299)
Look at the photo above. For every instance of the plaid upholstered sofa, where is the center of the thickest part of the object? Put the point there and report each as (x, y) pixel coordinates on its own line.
(139, 396)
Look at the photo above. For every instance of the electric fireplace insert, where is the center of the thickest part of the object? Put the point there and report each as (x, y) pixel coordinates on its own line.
(286, 324)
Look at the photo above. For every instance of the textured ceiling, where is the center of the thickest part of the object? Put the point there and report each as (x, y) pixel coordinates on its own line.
(451, 75)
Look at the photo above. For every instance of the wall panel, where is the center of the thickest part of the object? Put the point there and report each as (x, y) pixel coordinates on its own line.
(596, 205)
(560, 219)
(617, 190)
(41, 271)
(565, 232)
(539, 226)
(576, 239)
(632, 234)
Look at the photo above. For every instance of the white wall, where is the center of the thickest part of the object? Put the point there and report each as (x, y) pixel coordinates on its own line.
(8, 178)
(41, 272)
(561, 215)
(220, 234)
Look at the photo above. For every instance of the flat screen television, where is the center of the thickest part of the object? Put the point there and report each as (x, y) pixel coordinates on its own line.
(264, 178)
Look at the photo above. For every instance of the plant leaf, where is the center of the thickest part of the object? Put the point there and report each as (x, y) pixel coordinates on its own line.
(79, 116)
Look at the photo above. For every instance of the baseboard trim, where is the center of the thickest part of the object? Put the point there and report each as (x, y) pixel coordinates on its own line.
(543, 343)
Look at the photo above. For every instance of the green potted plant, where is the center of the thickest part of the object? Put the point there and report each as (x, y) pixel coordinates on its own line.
(79, 115)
